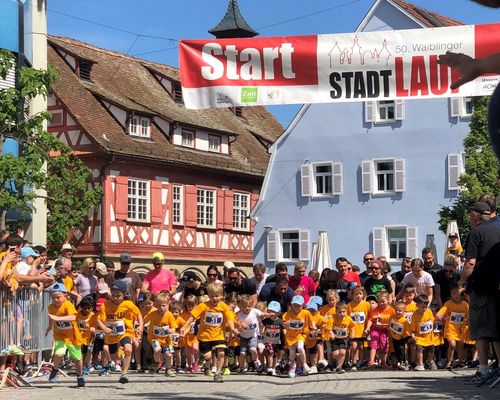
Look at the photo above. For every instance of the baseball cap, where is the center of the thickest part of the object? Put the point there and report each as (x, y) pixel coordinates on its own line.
(351, 285)
(453, 234)
(317, 299)
(157, 256)
(58, 287)
(312, 306)
(274, 306)
(125, 258)
(102, 287)
(101, 268)
(28, 251)
(66, 246)
(228, 264)
(189, 276)
(298, 299)
(119, 285)
(371, 297)
(481, 207)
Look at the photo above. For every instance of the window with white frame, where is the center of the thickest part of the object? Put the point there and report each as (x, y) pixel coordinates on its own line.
(395, 242)
(138, 200)
(139, 126)
(461, 107)
(241, 210)
(384, 110)
(177, 204)
(383, 176)
(132, 128)
(187, 138)
(320, 179)
(214, 143)
(456, 167)
(205, 208)
(288, 245)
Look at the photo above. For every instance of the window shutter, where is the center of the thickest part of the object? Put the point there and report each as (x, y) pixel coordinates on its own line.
(367, 177)
(370, 111)
(399, 170)
(304, 251)
(10, 79)
(220, 208)
(399, 106)
(306, 179)
(456, 106)
(121, 198)
(378, 242)
(254, 197)
(272, 245)
(338, 184)
(411, 241)
(156, 206)
(228, 209)
(453, 170)
(191, 210)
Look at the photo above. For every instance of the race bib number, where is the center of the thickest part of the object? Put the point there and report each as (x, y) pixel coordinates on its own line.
(82, 324)
(313, 335)
(250, 330)
(64, 325)
(340, 333)
(438, 327)
(176, 340)
(457, 318)
(396, 327)
(296, 325)
(358, 317)
(161, 331)
(272, 337)
(425, 327)
(408, 316)
(99, 334)
(191, 328)
(213, 319)
(117, 327)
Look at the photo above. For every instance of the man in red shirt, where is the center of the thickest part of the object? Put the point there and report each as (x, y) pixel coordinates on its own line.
(349, 276)
(160, 278)
(301, 283)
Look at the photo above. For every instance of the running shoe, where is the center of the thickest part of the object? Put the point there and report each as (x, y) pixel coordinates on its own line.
(218, 378)
(340, 371)
(226, 371)
(123, 379)
(53, 375)
(80, 381)
(170, 373)
(419, 367)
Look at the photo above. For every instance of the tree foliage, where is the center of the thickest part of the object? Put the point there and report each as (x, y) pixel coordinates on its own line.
(44, 162)
(481, 169)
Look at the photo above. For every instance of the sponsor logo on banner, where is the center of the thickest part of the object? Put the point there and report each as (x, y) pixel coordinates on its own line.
(249, 95)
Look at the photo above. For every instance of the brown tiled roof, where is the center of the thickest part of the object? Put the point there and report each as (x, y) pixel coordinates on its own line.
(129, 83)
(428, 18)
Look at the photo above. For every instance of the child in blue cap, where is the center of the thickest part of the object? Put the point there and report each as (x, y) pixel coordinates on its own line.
(273, 336)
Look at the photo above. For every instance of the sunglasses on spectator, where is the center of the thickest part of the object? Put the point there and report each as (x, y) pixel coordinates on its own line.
(374, 268)
(211, 274)
(368, 259)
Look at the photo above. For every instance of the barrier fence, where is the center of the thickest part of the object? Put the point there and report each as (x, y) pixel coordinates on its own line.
(23, 320)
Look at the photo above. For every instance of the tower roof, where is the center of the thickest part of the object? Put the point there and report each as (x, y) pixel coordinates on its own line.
(233, 24)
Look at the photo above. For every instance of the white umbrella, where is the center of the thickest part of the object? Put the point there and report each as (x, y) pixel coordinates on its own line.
(314, 257)
(452, 227)
(323, 259)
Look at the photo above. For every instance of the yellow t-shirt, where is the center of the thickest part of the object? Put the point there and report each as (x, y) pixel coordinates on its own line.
(399, 327)
(120, 319)
(145, 318)
(438, 331)
(176, 338)
(67, 331)
(422, 326)
(159, 326)
(455, 316)
(314, 336)
(359, 315)
(343, 327)
(409, 310)
(380, 317)
(298, 326)
(68, 283)
(231, 338)
(212, 320)
(8, 274)
(85, 323)
(189, 338)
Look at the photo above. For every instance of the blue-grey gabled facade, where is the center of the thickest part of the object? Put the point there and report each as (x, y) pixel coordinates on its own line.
(372, 175)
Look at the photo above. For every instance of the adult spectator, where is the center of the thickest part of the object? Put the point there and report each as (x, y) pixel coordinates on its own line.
(66, 251)
(421, 280)
(192, 285)
(446, 278)
(131, 278)
(63, 273)
(329, 280)
(259, 276)
(213, 275)
(347, 275)
(482, 274)
(86, 282)
(110, 267)
(386, 270)
(237, 283)
(42, 258)
(301, 284)
(314, 274)
(101, 272)
(430, 265)
(29, 261)
(367, 259)
(278, 291)
(280, 269)
(160, 278)
(377, 281)
(399, 275)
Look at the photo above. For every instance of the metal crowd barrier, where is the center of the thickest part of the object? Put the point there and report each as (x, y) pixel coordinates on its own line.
(23, 320)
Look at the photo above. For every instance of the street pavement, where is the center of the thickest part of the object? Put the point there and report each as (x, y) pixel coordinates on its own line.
(408, 385)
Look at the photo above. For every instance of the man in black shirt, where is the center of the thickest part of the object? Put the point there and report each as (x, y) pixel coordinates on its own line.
(239, 284)
(446, 278)
(131, 278)
(429, 265)
(192, 285)
(280, 269)
(399, 275)
(277, 291)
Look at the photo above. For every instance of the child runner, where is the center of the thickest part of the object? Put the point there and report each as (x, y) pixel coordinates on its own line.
(189, 341)
(422, 326)
(273, 336)
(116, 320)
(175, 309)
(248, 326)
(328, 311)
(62, 316)
(86, 320)
(213, 315)
(314, 341)
(232, 353)
(400, 332)
(161, 325)
(143, 351)
(343, 328)
(358, 309)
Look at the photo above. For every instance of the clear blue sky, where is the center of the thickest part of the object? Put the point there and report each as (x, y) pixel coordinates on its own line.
(170, 20)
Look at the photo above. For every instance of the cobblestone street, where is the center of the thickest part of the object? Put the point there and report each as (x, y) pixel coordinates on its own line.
(357, 385)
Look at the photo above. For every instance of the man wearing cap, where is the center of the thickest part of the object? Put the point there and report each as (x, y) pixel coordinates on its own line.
(482, 275)
(131, 278)
(66, 251)
(278, 291)
(160, 278)
(192, 285)
(239, 284)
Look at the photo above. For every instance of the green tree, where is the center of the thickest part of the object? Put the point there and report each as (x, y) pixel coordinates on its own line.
(481, 169)
(44, 162)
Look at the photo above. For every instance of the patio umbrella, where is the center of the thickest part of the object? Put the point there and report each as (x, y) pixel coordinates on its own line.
(314, 257)
(452, 227)
(431, 243)
(323, 259)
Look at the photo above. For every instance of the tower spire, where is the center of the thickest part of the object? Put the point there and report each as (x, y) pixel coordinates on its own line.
(233, 25)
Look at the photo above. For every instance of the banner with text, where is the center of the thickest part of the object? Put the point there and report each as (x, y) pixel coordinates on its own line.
(327, 68)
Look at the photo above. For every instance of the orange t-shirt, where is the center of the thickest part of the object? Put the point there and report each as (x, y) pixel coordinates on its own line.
(343, 328)
(298, 326)
(381, 317)
(409, 310)
(399, 327)
(159, 325)
(189, 338)
(67, 331)
(120, 319)
(456, 316)
(85, 323)
(314, 336)
(422, 326)
(8, 273)
(212, 320)
(176, 338)
(359, 314)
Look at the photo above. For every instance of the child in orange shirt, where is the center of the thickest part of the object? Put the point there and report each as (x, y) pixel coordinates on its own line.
(175, 309)
(328, 311)
(86, 320)
(314, 341)
(189, 341)
(343, 328)
(358, 309)
(422, 327)
(377, 327)
(143, 347)
(400, 332)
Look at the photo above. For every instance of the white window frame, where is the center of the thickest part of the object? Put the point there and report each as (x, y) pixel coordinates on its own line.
(369, 176)
(186, 143)
(456, 167)
(139, 126)
(381, 245)
(138, 197)
(241, 211)
(214, 149)
(177, 205)
(206, 206)
(133, 125)
(386, 174)
(458, 107)
(309, 187)
(145, 128)
(373, 114)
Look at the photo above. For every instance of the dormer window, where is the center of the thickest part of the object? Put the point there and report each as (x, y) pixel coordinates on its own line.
(187, 138)
(84, 70)
(214, 143)
(177, 89)
(139, 126)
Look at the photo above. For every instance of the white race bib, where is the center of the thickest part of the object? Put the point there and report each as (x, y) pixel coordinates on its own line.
(117, 327)
(358, 317)
(296, 324)
(408, 316)
(161, 331)
(82, 324)
(425, 327)
(396, 327)
(457, 318)
(340, 333)
(63, 325)
(213, 318)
